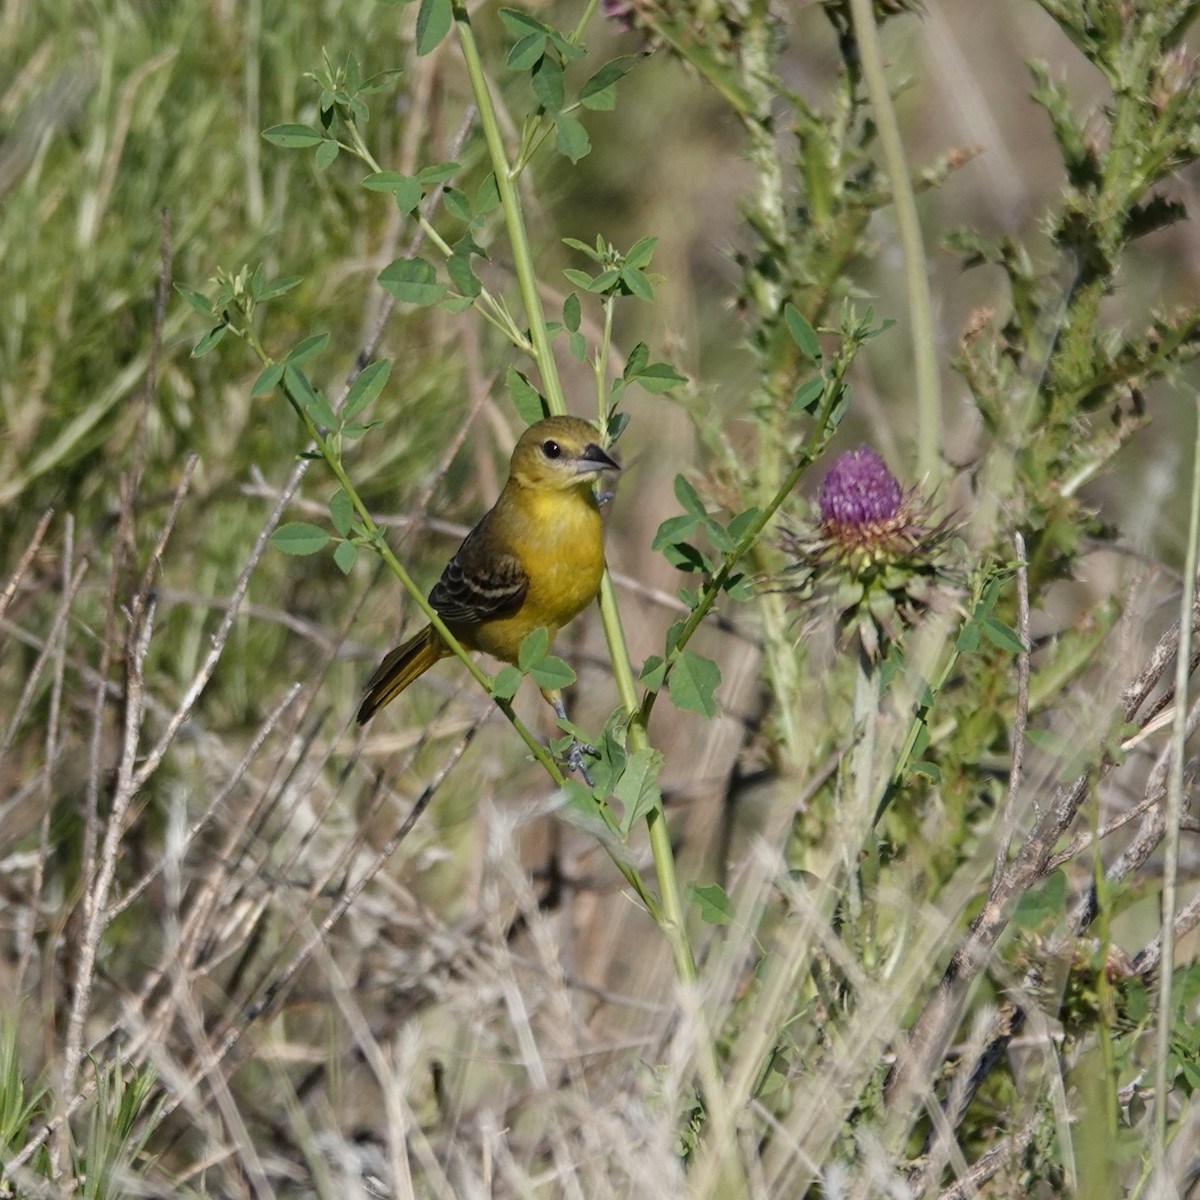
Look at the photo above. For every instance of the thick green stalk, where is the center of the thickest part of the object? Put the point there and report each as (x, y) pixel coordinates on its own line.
(916, 278)
(671, 918)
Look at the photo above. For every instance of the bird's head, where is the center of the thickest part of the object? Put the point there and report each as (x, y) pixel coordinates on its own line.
(560, 452)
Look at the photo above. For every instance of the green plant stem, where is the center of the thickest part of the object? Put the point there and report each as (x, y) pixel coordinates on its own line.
(916, 277)
(1170, 896)
(671, 917)
(513, 215)
(862, 762)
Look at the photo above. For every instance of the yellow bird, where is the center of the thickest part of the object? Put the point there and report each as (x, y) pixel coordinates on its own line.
(535, 559)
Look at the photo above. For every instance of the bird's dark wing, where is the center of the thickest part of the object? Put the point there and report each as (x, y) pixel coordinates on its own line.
(478, 584)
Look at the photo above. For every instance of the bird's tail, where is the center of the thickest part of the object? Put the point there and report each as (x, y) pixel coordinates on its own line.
(399, 669)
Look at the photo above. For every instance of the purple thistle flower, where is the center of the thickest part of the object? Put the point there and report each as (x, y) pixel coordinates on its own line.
(859, 491)
(875, 555)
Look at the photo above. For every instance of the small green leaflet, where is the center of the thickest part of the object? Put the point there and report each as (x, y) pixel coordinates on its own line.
(547, 78)
(413, 281)
(506, 683)
(293, 137)
(1001, 636)
(433, 23)
(405, 188)
(344, 556)
(341, 511)
(802, 332)
(638, 789)
(653, 673)
(299, 538)
(534, 646)
(600, 92)
(309, 348)
(526, 398)
(715, 906)
(692, 683)
(551, 673)
(267, 380)
(366, 387)
(571, 138)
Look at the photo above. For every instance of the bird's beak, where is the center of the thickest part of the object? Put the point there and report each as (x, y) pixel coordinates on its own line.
(594, 458)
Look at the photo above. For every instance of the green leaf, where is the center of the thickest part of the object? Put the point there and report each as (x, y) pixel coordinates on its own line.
(571, 138)
(300, 538)
(653, 673)
(715, 906)
(293, 137)
(692, 683)
(209, 340)
(199, 301)
(520, 23)
(268, 380)
(718, 535)
(309, 399)
(1001, 636)
(584, 249)
(659, 377)
(600, 92)
(488, 196)
(674, 529)
(309, 348)
(458, 266)
(641, 252)
(527, 400)
(604, 280)
(802, 332)
(457, 204)
(572, 312)
(438, 173)
(636, 281)
(341, 511)
(433, 23)
(366, 387)
(579, 278)
(527, 51)
(577, 345)
(327, 151)
(547, 79)
(534, 646)
(412, 281)
(278, 287)
(551, 673)
(689, 498)
(405, 188)
(639, 356)
(742, 522)
(638, 789)
(506, 683)
(344, 556)
(808, 395)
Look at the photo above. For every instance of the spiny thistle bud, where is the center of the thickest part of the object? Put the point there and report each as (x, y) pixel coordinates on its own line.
(875, 556)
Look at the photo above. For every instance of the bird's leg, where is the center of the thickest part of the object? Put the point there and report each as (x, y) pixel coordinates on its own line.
(577, 749)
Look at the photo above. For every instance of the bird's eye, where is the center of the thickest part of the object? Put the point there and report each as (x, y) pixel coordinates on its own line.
(551, 449)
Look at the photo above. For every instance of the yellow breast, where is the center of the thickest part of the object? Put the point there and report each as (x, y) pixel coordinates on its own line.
(558, 537)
